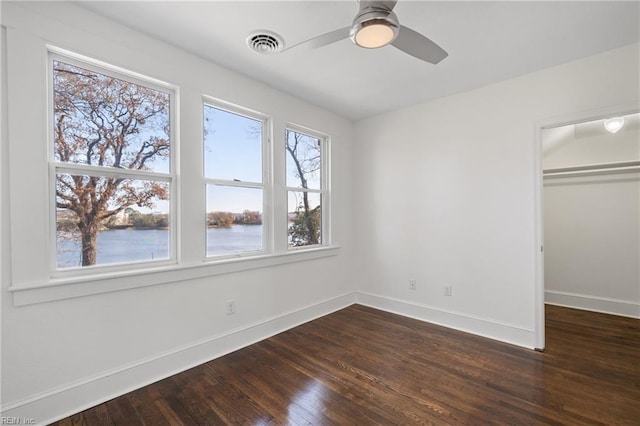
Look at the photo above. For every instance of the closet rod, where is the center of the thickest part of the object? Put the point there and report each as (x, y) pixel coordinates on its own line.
(619, 167)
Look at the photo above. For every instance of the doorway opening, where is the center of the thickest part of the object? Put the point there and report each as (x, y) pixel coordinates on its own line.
(588, 214)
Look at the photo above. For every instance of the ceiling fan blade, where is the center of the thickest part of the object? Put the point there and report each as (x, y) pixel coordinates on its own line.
(415, 44)
(385, 4)
(322, 40)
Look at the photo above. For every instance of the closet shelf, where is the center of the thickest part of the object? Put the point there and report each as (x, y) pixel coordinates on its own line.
(605, 168)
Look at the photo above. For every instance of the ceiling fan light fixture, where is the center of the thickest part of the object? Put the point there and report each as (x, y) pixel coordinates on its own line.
(374, 34)
(374, 27)
(614, 124)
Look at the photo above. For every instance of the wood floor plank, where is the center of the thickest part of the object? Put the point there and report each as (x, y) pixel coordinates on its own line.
(173, 410)
(364, 366)
(195, 401)
(122, 412)
(323, 391)
(98, 417)
(252, 373)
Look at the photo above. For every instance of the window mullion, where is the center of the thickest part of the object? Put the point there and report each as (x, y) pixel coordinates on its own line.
(237, 183)
(299, 189)
(97, 171)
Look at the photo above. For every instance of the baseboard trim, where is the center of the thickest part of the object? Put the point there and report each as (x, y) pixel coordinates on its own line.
(485, 327)
(625, 308)
(72, 398)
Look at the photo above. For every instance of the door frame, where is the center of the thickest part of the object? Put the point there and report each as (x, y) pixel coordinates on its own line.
(538, 191)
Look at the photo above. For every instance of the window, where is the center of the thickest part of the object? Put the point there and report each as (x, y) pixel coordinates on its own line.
(111, 167)
(97, 202)
(306, 188)
(235, 176)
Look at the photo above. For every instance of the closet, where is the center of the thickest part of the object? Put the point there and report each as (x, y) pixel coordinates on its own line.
(591, 216)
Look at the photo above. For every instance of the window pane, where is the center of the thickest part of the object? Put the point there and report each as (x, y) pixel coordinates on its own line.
(305, 219)
(109, 122)
(234, 220)
(303, 160)
(232, 146)
(101, 221)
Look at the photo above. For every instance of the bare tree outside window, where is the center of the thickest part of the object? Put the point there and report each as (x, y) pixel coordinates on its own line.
(115, 131)
(304, 166)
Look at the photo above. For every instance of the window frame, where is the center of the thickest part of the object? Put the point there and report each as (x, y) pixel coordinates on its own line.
(55, 167)
(265, 185)
(324, 191)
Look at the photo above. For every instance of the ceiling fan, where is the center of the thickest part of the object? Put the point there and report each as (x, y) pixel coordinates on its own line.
(376, 26)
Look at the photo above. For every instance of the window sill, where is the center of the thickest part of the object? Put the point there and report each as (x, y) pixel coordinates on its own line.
(67, 288)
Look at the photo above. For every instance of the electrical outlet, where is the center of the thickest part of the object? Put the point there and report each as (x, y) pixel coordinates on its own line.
(412, 284)
(447, 290)
(231, 307)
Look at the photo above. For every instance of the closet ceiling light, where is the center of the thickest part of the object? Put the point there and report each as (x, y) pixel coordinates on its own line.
(614, 124)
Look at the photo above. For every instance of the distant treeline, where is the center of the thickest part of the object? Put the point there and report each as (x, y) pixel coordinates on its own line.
(138, 220)
(132, 219)
(67, 221)
(228, 219)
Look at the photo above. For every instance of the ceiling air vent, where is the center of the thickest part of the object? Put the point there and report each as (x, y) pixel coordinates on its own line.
(265, 42)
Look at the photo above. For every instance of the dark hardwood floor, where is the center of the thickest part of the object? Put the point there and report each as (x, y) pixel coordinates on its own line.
(367, 367)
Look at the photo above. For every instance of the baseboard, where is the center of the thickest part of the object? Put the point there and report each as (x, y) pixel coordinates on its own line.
(484, 327)
(626, 308)
(64, 401)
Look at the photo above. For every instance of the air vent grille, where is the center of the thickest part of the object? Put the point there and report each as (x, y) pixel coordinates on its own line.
(265, 42)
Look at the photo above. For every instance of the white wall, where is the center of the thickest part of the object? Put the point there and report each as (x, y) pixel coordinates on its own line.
(62, 356)
(445, 195)
(592, 224)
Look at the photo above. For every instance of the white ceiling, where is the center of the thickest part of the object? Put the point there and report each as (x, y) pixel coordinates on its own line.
(486, 41)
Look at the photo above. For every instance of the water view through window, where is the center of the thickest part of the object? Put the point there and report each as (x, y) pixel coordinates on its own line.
(136, 245)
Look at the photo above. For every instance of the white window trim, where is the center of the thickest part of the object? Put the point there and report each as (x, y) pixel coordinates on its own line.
(90, 64)
(265, 185)
(324, 191)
